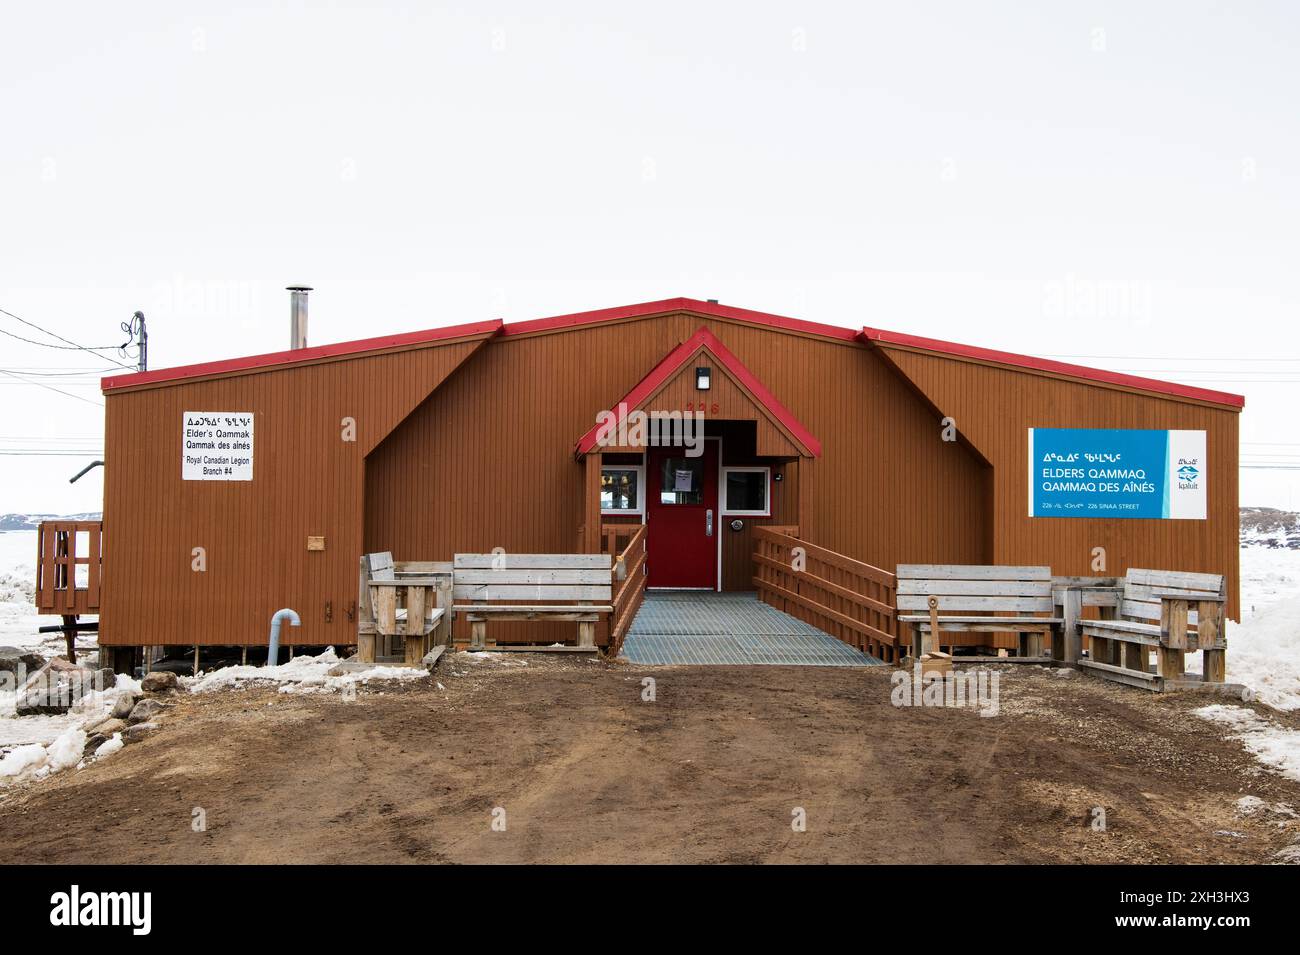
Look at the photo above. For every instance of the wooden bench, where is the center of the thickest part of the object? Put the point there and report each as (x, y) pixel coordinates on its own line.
(576, 587)
(1171, 611)
(976, 605)
(404, 606)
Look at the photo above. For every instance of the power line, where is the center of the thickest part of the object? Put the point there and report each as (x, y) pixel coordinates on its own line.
(67, 341)
(60, 391)
(89, 375)
(51, 454)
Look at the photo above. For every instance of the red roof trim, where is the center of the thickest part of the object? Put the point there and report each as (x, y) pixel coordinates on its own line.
(673, 362)
(296, 356)
(972, 352)
(496, 326)
(711, 309)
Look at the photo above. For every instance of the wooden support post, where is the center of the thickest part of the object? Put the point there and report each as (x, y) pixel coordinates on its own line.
(1100, 650)
(586, 633)
(243, 656)
(70, 635)
(591, 504)
(366, 647)
(1209, 624)
(1173, 637)
(385, 608)
(1169, 663)
(478, 635)
(196, 660)
(1030, 643)
(1066, 642)
(444, 625)
(1173, 623)
(801, 492)
(1214, 667)
(933, 642)
(414, 629)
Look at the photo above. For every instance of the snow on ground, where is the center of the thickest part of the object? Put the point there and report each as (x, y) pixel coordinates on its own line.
(303, 674)
(1271, 744)
(1264, 648)
(1263, 653)
(18, 618)
(36, 746)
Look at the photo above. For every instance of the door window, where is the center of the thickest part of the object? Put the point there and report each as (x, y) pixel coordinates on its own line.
(681, 481)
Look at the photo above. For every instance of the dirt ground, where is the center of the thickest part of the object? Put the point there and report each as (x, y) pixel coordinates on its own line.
(711, 771)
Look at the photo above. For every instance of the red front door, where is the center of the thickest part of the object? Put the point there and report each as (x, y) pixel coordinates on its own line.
(682, 517)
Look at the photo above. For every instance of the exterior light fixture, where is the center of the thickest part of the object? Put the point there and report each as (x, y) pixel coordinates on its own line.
(703, 378)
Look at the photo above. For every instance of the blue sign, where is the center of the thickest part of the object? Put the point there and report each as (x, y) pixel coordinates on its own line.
(1104, 472)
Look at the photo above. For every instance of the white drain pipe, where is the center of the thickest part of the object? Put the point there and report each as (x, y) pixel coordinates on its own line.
(280, 615)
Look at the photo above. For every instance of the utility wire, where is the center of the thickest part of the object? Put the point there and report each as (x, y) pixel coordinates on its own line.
(51, 454)
(68, 343)
(89, 375)
(60, 391)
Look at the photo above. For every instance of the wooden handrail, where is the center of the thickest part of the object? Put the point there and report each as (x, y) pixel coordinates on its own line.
(851, 600)
(630, 589)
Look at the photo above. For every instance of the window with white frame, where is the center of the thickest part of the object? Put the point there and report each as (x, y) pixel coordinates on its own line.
(746, 492)
(622, 489)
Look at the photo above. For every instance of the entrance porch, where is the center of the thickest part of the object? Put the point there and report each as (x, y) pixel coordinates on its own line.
(699, 627)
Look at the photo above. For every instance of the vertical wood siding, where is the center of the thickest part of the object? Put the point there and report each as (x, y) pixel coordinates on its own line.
(994, 408)
(504, 428)
(465, 450)
(306, 481)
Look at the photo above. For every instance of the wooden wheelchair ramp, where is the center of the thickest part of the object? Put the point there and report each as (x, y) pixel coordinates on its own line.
(702, 627)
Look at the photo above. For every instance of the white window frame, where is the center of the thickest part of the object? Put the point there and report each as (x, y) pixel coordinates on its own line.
(640, 490)
(767, 492)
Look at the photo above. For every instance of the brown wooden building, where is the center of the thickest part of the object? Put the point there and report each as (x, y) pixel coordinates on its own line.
(235, 488)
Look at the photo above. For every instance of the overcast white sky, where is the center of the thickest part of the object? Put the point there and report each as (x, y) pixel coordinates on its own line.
(1099, 179)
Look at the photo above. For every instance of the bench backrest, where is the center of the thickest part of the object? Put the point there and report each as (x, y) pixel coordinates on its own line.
(379, 566)
(1141, 600)
(540, 578)
(974, 588)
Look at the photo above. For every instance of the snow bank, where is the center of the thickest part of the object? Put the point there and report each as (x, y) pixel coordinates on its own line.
(110, 746)
(17, 731)
(37, 761)
(40, 745)
(1271, 744)
(1264, 648)
(1264, 653)
(304, 674)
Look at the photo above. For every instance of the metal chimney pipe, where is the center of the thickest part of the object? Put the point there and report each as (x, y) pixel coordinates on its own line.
(298, 315)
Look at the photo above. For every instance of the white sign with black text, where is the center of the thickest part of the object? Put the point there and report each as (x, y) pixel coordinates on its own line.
(217, 446)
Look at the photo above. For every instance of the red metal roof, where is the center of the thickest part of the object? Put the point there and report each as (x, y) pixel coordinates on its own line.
(496, 326)
(712, 309)
(293, 356)
(973, 353)
(680, 356)
(643, 309)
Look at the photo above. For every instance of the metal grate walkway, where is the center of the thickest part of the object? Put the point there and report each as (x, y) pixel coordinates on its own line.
(700, 627)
